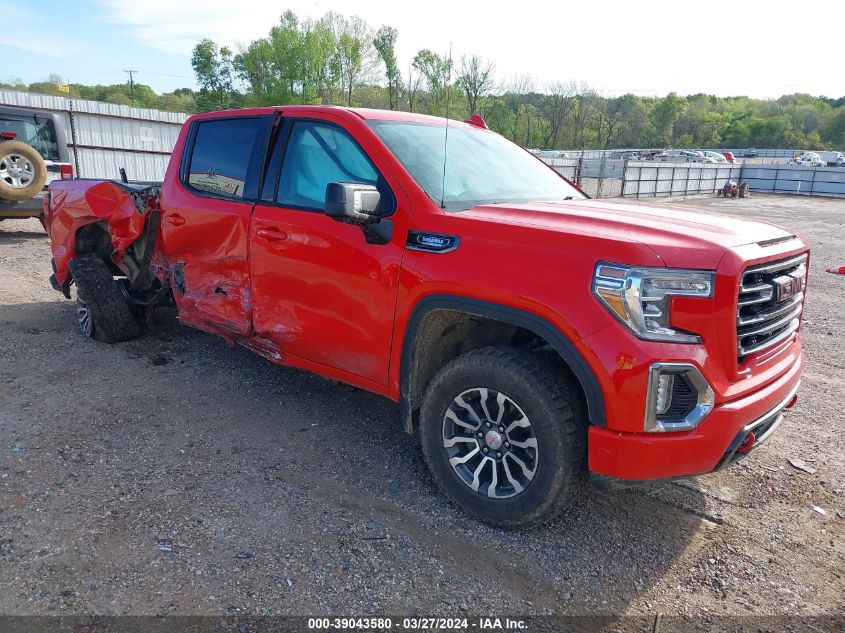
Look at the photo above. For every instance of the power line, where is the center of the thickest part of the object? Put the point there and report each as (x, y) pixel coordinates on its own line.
(149, 72)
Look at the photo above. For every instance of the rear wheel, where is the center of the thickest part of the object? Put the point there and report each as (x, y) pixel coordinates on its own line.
(744, 190)
(102, 309)
(504, 435)
(22, 171)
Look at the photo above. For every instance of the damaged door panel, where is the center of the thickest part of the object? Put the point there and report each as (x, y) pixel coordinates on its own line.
(205, 226)
(323, 290)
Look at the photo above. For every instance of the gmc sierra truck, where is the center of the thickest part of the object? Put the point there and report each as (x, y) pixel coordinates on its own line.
(533, 337)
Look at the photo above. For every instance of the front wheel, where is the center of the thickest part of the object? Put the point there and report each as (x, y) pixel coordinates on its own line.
(504, 435)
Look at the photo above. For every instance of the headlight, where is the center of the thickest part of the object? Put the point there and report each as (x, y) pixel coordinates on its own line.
(641, 297)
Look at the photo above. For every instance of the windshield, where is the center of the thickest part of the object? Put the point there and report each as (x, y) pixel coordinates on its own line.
(41, 135)
(482, 167)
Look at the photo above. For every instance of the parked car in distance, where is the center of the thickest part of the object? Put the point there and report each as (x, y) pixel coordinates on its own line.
(751, 153)
(33, 153)
(624, 154)
(550, 153)
(532, 337)
(716, 157)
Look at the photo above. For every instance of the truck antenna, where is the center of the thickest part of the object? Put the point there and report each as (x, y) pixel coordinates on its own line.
(446, 135)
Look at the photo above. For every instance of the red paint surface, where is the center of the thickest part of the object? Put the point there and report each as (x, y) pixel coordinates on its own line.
(304, 290)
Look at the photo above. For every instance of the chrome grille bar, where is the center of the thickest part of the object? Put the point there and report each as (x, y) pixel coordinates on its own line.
(762, 320)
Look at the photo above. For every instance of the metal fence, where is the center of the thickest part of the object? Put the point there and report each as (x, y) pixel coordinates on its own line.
(598, 153)
(648, 179)
(828, 181)
(598, 177)
(603, 177)
(103, 137)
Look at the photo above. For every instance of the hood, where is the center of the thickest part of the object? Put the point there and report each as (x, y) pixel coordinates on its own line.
(681, 237)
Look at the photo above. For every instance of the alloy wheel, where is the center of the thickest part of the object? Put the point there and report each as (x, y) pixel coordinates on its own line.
(83, 317)
(16, 171)
(490, 443)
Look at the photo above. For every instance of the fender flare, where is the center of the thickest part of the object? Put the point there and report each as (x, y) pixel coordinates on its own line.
(507, 314)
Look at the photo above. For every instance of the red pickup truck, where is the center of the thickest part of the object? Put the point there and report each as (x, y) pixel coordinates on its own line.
(531, 335)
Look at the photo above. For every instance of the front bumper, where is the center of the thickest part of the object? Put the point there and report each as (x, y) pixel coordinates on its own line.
(720, 439)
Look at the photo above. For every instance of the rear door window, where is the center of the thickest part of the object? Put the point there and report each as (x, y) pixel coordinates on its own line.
(221, 156)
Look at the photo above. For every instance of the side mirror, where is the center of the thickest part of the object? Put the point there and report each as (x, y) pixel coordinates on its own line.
(353, 203)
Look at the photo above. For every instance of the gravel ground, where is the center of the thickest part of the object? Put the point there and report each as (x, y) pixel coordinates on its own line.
(176, 475)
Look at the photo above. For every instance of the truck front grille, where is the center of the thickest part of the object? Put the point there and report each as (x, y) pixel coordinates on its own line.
(771, 297)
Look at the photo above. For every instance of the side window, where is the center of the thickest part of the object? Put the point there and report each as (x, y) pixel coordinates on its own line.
(316, 155)
(221, 155)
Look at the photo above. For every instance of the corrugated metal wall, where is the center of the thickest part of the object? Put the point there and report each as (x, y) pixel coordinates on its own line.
(647, 178)
(796, 179)
(108, 136)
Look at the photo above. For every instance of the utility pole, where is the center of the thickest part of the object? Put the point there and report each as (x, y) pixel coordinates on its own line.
(131, 74)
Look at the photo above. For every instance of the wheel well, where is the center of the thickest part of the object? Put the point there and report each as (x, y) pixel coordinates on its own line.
(94, 239)
(444, 334)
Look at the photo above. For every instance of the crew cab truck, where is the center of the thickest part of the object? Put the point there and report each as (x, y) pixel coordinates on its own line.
(533, 337)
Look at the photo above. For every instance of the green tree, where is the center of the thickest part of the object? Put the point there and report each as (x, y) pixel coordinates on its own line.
(385, 44)
(215, 71)
(665, 114)
(475, 80)
(436, 70)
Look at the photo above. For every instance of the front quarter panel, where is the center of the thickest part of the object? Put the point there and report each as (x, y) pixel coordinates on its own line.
(537, 271)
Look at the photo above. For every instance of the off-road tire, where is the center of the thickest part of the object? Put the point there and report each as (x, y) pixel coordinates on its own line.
(744, 190)
(11, 193)
(552, 402)
(97, 291)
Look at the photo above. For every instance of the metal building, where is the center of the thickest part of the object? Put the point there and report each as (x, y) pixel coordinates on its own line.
(103, 137)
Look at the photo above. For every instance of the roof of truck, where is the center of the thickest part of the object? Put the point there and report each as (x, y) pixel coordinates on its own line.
(371, 114)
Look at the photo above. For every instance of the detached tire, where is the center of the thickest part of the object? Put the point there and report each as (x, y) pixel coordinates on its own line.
(103, 313)
(22, 171)
(504, 435)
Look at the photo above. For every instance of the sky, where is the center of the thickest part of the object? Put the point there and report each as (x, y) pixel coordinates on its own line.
(648, 47)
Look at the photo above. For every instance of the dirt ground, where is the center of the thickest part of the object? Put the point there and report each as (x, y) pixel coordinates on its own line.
(176, 475)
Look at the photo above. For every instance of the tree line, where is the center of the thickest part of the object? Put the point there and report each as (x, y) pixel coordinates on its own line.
(342, 60)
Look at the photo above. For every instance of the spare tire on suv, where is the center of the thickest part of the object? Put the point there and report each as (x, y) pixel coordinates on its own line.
(22, 171)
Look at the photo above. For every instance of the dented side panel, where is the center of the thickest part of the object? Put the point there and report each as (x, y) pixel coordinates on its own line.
(323, 292)
(206, 250)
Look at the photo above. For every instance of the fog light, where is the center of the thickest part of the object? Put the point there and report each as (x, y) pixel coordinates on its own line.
(683, 382)
(665, 383)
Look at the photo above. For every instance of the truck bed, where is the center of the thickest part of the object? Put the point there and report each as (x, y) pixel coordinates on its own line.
(118, 215)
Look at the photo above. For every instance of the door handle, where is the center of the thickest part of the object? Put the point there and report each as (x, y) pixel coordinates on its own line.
(175, 219)
(272, 234)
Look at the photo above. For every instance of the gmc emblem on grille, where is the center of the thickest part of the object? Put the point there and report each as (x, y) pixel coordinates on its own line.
(786, 287)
